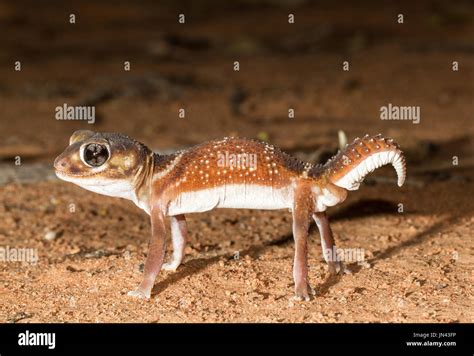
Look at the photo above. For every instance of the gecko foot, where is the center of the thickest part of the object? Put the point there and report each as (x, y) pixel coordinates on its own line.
(171, 266)
(303, 294)
(301, 299)
(338, 268)
(138, 294)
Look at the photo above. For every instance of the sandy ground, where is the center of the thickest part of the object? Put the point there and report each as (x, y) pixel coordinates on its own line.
(418, 263)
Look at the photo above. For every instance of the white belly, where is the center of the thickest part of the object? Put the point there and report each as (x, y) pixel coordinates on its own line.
(238, 196)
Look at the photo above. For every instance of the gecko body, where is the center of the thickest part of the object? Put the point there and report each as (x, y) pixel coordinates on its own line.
(227, 173)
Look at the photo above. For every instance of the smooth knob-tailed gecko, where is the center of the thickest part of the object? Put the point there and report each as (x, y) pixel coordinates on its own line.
(227, 173)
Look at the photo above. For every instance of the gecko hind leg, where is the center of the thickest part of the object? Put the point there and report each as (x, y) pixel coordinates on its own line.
(179, 234)
(328, 245)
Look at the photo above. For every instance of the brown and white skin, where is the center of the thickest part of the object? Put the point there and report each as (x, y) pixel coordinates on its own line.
(199, 179)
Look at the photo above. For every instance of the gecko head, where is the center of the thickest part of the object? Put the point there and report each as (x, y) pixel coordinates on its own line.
(106, 163)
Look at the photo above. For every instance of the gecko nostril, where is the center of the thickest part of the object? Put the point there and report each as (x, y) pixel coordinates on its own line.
(60, 163)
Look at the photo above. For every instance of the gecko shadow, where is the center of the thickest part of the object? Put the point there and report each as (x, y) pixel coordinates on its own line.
(419, 238)
(365, 207)
(355, 210)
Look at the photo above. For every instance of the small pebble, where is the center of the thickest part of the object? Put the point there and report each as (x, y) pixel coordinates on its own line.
(50, 235)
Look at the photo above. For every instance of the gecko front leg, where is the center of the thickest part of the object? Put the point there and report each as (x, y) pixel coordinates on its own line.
(302, 211)
(327, 243)
(179, 234)
(156, 254)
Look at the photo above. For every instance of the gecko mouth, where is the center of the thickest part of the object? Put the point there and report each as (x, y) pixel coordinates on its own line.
(68, 176)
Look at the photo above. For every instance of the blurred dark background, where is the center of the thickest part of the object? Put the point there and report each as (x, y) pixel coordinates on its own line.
(190, 66)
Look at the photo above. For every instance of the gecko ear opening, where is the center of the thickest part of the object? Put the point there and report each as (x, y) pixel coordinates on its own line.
(80, 135)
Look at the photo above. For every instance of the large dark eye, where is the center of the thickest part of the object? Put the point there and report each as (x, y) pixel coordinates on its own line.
(96, 154)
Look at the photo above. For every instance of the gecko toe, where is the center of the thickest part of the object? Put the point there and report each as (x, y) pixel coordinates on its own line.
(138, 294)
(172, 266)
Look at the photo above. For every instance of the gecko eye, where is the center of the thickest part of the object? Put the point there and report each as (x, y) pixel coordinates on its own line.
(95, 154)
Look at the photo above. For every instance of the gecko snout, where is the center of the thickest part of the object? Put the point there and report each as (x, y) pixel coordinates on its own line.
(60, 163)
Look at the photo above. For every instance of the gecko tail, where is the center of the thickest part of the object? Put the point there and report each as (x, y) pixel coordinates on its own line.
(348, 168)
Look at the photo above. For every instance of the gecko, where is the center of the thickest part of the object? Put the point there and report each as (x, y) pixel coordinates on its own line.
(227, 173)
